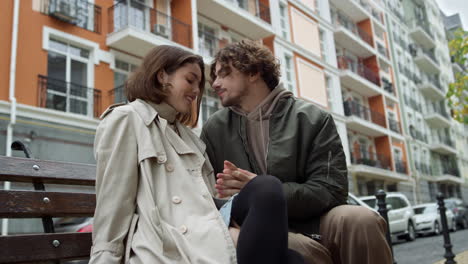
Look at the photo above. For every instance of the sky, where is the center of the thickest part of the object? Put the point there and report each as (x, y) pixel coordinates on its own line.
(450, 7)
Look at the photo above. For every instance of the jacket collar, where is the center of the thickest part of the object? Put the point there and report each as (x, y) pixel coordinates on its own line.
(148, 111)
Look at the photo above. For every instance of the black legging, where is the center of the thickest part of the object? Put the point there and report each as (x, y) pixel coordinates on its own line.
(260, 210)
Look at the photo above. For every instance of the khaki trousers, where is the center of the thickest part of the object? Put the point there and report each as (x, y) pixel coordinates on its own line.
(350, 235)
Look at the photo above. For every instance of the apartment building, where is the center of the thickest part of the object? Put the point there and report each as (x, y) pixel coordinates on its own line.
(420, 51)
(357, 59)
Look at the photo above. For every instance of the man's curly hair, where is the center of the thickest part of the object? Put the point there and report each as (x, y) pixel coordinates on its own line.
(248, 57)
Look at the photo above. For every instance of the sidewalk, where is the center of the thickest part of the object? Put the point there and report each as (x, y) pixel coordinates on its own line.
(461, 258)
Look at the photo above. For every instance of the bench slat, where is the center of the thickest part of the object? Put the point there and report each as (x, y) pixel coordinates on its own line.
(36, 248)
(30, 204)
(22, 170)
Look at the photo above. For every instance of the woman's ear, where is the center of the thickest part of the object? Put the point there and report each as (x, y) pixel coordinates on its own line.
(162, 77)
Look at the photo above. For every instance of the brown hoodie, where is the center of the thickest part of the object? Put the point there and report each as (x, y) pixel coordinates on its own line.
(258, 124)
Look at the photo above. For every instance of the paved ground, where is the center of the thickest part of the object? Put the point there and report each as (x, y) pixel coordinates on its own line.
(430, 249)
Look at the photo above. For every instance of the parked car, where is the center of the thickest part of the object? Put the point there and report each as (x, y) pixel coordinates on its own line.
(72, 224)
(353, 200)
(400, 215)
(460, 211)
(428, 221)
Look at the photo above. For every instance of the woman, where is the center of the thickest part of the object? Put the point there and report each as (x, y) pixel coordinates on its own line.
(154, 184)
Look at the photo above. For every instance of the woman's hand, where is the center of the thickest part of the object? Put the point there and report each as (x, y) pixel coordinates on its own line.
(232, 180)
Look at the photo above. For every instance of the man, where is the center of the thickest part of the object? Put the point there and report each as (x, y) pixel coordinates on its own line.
(266, 130)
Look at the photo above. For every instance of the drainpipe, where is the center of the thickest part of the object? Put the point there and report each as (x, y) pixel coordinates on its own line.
(12, 98)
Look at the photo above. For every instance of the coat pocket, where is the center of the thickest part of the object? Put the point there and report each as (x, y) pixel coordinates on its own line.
(131, 232)
(169, 246)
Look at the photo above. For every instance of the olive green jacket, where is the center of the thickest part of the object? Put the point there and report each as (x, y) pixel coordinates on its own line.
(304, 151)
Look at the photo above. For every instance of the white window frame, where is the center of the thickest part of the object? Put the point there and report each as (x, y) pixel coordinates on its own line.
(284, 18)
(292, 82)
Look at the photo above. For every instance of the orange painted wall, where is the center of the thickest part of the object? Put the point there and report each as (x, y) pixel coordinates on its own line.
(376, 104)
(6, 21)
(366, 26)
(382, 145)
(401, 145)
(268, 42)
(182, 11)
(373, 65)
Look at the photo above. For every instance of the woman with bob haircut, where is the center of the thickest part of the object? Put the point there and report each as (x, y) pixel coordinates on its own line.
(155, 186)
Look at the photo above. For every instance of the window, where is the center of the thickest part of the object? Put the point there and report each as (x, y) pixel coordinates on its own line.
(209, 105)
(322, 37)
(328, 84)
(121, 72)
(289, 80)
(284, 24)
(207, 40)
(67, 80)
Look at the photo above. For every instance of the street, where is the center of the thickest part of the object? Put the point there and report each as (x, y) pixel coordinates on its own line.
(429, 249)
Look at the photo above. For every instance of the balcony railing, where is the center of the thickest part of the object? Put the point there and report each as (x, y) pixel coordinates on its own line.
(423, 167)
(422, 24)
(445, 140)
(371, 159)
(117, 95)
(145, 18)
(400, 166)
(345, 63)
(341, 20)
(416, 134)
(394, 125)
(355, 109)
(450, 170)
(388, 86)
(383, 51)
(432, 79)
(436, 108)
(80, 13)
(68, 97)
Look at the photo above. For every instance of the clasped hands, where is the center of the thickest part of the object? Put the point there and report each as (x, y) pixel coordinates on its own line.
(232, 179)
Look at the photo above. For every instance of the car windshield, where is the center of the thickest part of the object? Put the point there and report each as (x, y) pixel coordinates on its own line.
(370, 202)
(425, 209)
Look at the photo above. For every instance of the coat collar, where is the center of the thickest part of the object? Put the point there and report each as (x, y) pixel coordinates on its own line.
(186, 143)
(148, 111)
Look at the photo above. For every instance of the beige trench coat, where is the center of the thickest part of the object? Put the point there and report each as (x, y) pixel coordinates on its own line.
(154, 193)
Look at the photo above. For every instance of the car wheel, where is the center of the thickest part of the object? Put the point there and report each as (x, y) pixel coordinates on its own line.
(464, 223)
(454, 225)
(436, 228)
(411, 235)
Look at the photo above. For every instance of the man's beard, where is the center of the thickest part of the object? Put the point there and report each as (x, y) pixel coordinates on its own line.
(236, 99)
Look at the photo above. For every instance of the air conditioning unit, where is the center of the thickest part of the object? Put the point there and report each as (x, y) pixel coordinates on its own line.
(161, 30)
(64, 10)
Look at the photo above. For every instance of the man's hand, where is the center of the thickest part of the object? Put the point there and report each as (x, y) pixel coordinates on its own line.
(232, 180)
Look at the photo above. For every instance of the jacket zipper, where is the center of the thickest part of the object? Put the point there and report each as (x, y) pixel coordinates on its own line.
(329, 159)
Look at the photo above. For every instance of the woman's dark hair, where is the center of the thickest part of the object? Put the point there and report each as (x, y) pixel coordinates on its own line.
(144, 84)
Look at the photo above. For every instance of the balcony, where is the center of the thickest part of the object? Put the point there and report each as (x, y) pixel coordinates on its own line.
(373, 165)
(358, 77)
(425, 59)
(420, 32)
(80, 13)
(394, 125)
(371, 159)
(383, 51)
(354, 9)
(431, 88)
(456, 66)
(443, 145)
(437, 116)
(387, 85)
(209, 44)
(68, 97)
(401, 167)
(137, 29)
(364, 120)
(453, 171)
(352, 37)
(251, 17)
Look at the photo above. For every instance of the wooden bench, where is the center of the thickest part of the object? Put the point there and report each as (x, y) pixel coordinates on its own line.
(47, 246)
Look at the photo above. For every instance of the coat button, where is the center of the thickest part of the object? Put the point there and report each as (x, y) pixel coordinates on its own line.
(169, 167)
(183, 229)
(161, 159)
(176, 199)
